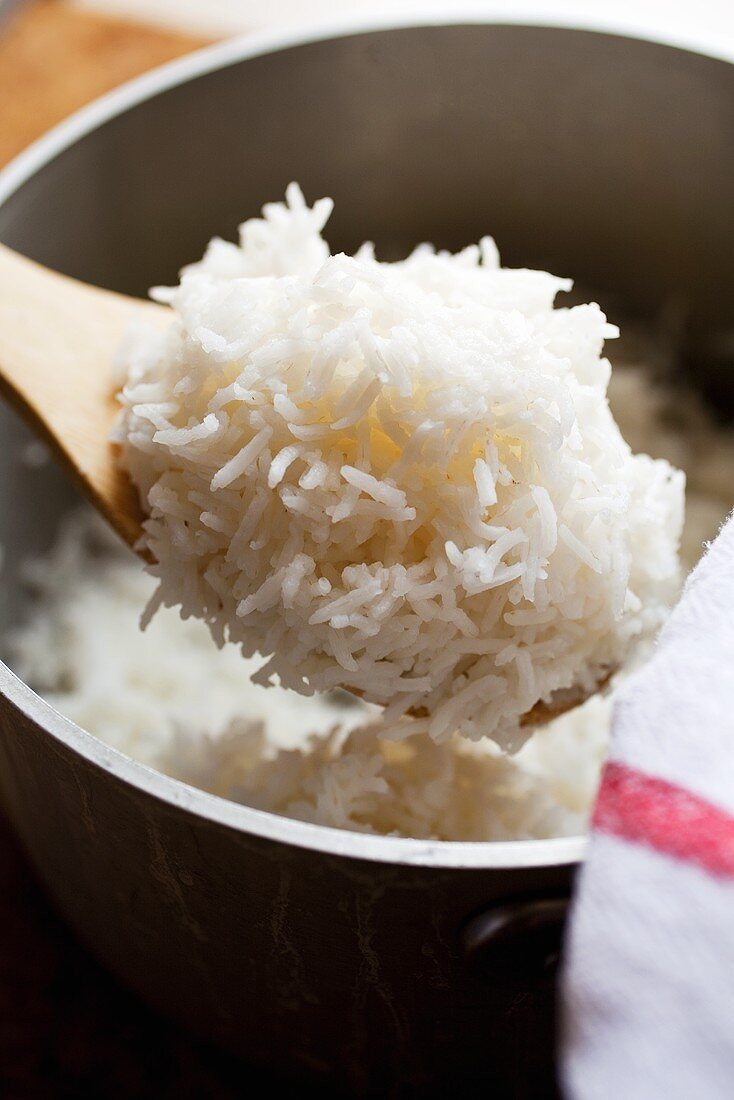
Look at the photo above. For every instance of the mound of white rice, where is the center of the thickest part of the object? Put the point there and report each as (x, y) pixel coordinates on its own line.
(400, 478)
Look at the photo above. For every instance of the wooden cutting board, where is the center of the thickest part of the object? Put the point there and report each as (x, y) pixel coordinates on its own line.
(54, 59)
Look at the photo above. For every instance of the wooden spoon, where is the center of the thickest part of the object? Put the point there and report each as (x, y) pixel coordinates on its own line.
(58, 338)
(544, 711)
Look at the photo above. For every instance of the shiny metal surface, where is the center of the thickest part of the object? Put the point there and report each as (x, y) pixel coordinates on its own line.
(335, 954)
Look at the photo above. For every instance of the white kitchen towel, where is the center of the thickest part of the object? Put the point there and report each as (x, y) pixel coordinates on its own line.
(648, 980)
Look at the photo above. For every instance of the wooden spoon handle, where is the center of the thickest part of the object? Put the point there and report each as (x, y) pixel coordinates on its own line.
(57, 341)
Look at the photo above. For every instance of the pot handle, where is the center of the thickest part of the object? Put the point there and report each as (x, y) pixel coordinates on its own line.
(521, 935)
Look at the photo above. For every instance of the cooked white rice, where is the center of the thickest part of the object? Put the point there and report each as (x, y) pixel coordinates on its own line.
(170, 699)
(400, 478)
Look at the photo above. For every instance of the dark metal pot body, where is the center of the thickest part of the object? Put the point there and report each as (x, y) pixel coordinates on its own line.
(367, 962)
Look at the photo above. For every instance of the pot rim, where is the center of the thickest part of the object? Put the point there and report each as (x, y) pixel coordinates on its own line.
(556, 851)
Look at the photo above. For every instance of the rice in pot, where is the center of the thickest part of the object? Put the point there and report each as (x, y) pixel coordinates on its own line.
(173, 701)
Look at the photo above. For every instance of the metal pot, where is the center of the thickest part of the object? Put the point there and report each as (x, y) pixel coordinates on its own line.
(361, 961)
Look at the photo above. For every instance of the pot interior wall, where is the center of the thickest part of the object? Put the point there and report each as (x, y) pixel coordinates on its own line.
(605, 158)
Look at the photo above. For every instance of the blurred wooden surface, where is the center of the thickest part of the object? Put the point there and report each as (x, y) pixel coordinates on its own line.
(54, 59)
(67, 1029)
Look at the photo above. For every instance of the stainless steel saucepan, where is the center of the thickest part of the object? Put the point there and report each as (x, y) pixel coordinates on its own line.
(355, 960)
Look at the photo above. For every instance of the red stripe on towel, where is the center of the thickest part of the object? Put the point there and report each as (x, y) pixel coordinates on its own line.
(642, 808)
